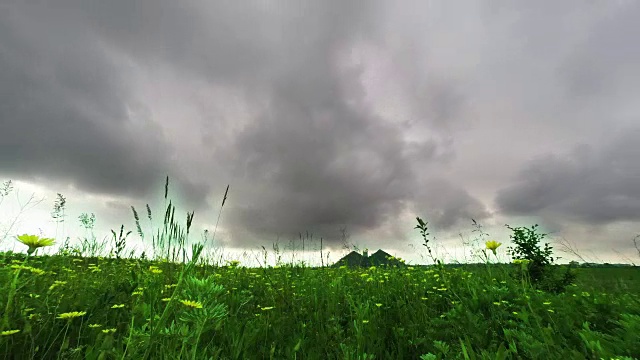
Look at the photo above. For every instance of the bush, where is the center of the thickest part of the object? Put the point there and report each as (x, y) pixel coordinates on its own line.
(540, 271)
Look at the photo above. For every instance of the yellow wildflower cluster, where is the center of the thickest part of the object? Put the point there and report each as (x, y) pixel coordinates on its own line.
(29, 268)
(193, 304)
(71, 315)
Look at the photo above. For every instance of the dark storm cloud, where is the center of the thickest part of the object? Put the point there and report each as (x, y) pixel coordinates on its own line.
(227, 43)
(322, 172)
(590, 185)
(313, 155)
(447, 205)
(322, 162)
(319, 162)
(62, 107)
(68, 113)
(250, 45)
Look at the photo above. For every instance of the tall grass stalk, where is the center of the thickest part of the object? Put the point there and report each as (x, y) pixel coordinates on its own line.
(185, 270)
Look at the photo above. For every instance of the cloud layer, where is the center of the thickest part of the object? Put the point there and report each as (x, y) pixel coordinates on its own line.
(325, 115)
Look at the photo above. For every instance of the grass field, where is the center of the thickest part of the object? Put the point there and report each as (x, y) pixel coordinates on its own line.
(76, 306)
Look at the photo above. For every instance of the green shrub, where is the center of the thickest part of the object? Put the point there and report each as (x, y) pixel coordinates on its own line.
(540, 271)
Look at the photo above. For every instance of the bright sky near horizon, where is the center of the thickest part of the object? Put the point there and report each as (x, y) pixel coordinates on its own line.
(322, 116)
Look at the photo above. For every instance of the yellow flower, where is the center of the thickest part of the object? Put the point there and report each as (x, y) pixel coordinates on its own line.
(71, 315)
(9, 332)
(56, 284)
(493, 245)
(193, 304)
(34, 242)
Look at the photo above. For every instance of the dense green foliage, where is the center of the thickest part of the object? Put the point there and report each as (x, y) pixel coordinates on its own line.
(113, 307)
(312, 313)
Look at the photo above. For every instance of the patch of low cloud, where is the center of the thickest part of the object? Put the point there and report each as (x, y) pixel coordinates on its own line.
(594, 185)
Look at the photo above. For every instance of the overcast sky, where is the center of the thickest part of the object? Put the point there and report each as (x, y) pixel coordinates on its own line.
(326, 115)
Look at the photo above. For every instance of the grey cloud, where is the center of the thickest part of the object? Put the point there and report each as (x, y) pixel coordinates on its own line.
(315, 156)
(447, 205)
(63, 108)
(237, 44)
(597, 186)
(587, 72)
(322, 171)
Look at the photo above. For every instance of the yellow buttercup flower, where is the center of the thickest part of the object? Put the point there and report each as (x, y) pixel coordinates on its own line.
(493, 245)
(34, 242)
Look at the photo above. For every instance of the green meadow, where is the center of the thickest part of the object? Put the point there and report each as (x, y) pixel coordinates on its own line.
(178, 303)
